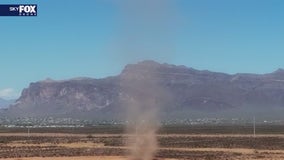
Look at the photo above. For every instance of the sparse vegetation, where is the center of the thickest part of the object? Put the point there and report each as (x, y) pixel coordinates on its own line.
(204, 146)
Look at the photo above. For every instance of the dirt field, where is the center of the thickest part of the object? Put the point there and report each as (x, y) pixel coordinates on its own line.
(77, 158)
(111, 146)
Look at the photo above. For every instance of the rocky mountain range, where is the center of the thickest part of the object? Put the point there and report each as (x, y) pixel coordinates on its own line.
(193, 93)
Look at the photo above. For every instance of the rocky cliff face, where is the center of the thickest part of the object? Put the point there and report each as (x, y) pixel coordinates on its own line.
(192, 92)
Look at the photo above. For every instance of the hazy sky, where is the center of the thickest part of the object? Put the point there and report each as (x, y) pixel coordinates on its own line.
(81, 38)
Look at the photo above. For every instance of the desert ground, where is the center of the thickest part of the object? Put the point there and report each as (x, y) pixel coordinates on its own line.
(175, 143)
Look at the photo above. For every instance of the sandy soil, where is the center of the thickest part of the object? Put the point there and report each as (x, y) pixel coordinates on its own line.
(245, 157)
(237, 153)
(68, 145)
(72, 158)
(77, 158)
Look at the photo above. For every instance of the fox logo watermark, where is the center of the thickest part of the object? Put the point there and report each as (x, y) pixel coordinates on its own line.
(30, 9)
(18, 10)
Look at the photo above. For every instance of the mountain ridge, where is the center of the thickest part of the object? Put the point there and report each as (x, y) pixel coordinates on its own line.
(194, 93)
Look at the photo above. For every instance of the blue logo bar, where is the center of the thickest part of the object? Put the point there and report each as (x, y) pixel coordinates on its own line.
(18, 10)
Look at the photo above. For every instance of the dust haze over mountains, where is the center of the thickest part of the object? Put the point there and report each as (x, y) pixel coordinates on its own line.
(146, 29)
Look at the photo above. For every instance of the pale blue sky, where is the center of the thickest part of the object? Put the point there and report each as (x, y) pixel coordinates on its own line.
(82, 39)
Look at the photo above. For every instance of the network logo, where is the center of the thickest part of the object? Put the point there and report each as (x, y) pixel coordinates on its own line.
(18, 10)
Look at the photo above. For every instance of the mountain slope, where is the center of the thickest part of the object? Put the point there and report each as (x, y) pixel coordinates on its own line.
(193, 93)
(5, 103)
